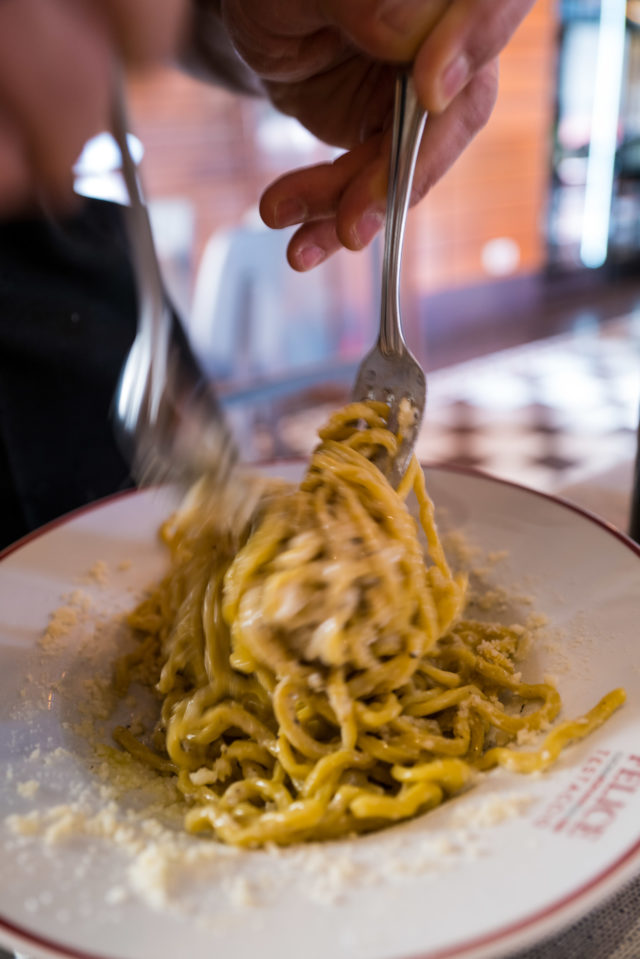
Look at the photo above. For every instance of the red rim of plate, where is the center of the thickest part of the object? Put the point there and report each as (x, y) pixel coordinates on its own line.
(500, 936)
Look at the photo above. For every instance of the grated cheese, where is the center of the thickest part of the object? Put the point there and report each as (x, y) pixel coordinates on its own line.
(28, 789)
(114, 800)
(493, 810)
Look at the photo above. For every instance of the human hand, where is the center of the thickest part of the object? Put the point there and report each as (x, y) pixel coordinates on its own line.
(56, 82)
(330, 64)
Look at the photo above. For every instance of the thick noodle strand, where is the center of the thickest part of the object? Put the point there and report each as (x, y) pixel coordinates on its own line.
(316, 675)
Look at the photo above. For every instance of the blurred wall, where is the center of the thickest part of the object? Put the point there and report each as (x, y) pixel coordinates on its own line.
(487, 216)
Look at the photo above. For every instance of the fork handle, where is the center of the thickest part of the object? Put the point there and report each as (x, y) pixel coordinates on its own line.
(408, 124)
(139, 222)
(154, 329)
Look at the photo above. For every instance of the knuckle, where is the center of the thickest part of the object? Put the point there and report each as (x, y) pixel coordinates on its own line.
(481, 97)
(500, 22)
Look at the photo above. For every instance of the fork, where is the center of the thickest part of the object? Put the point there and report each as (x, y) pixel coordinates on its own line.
(167, 419)
(390, 372)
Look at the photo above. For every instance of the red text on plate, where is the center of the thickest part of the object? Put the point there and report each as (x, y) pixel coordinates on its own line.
(593, 799)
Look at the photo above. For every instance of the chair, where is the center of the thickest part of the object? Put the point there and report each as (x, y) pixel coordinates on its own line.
(253, 317)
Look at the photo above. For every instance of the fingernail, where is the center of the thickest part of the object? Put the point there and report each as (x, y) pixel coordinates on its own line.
(289, 211)
(310, 256)
(367, 227)
(454, 77)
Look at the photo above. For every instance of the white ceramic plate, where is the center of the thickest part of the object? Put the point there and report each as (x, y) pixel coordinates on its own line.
(497, 869)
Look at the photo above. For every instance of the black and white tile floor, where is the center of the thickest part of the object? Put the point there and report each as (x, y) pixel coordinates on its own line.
(547, 414)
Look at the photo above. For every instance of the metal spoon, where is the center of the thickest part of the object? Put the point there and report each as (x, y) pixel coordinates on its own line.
(167, 418)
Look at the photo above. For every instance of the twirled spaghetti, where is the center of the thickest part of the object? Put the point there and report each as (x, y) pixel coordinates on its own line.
(317, 676)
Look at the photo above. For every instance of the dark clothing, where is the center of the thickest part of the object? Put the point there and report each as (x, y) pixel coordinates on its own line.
(67, 319)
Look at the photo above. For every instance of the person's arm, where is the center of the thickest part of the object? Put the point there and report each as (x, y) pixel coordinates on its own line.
(56, 82)
(329, 63)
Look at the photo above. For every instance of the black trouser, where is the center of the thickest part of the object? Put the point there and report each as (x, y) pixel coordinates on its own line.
(67, 319)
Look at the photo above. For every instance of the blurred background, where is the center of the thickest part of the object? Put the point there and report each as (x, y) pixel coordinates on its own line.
(521, 290)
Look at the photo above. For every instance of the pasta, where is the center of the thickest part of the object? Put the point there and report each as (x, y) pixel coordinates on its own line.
(317, 675)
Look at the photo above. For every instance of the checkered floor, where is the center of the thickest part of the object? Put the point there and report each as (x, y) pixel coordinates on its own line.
(546, 414)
